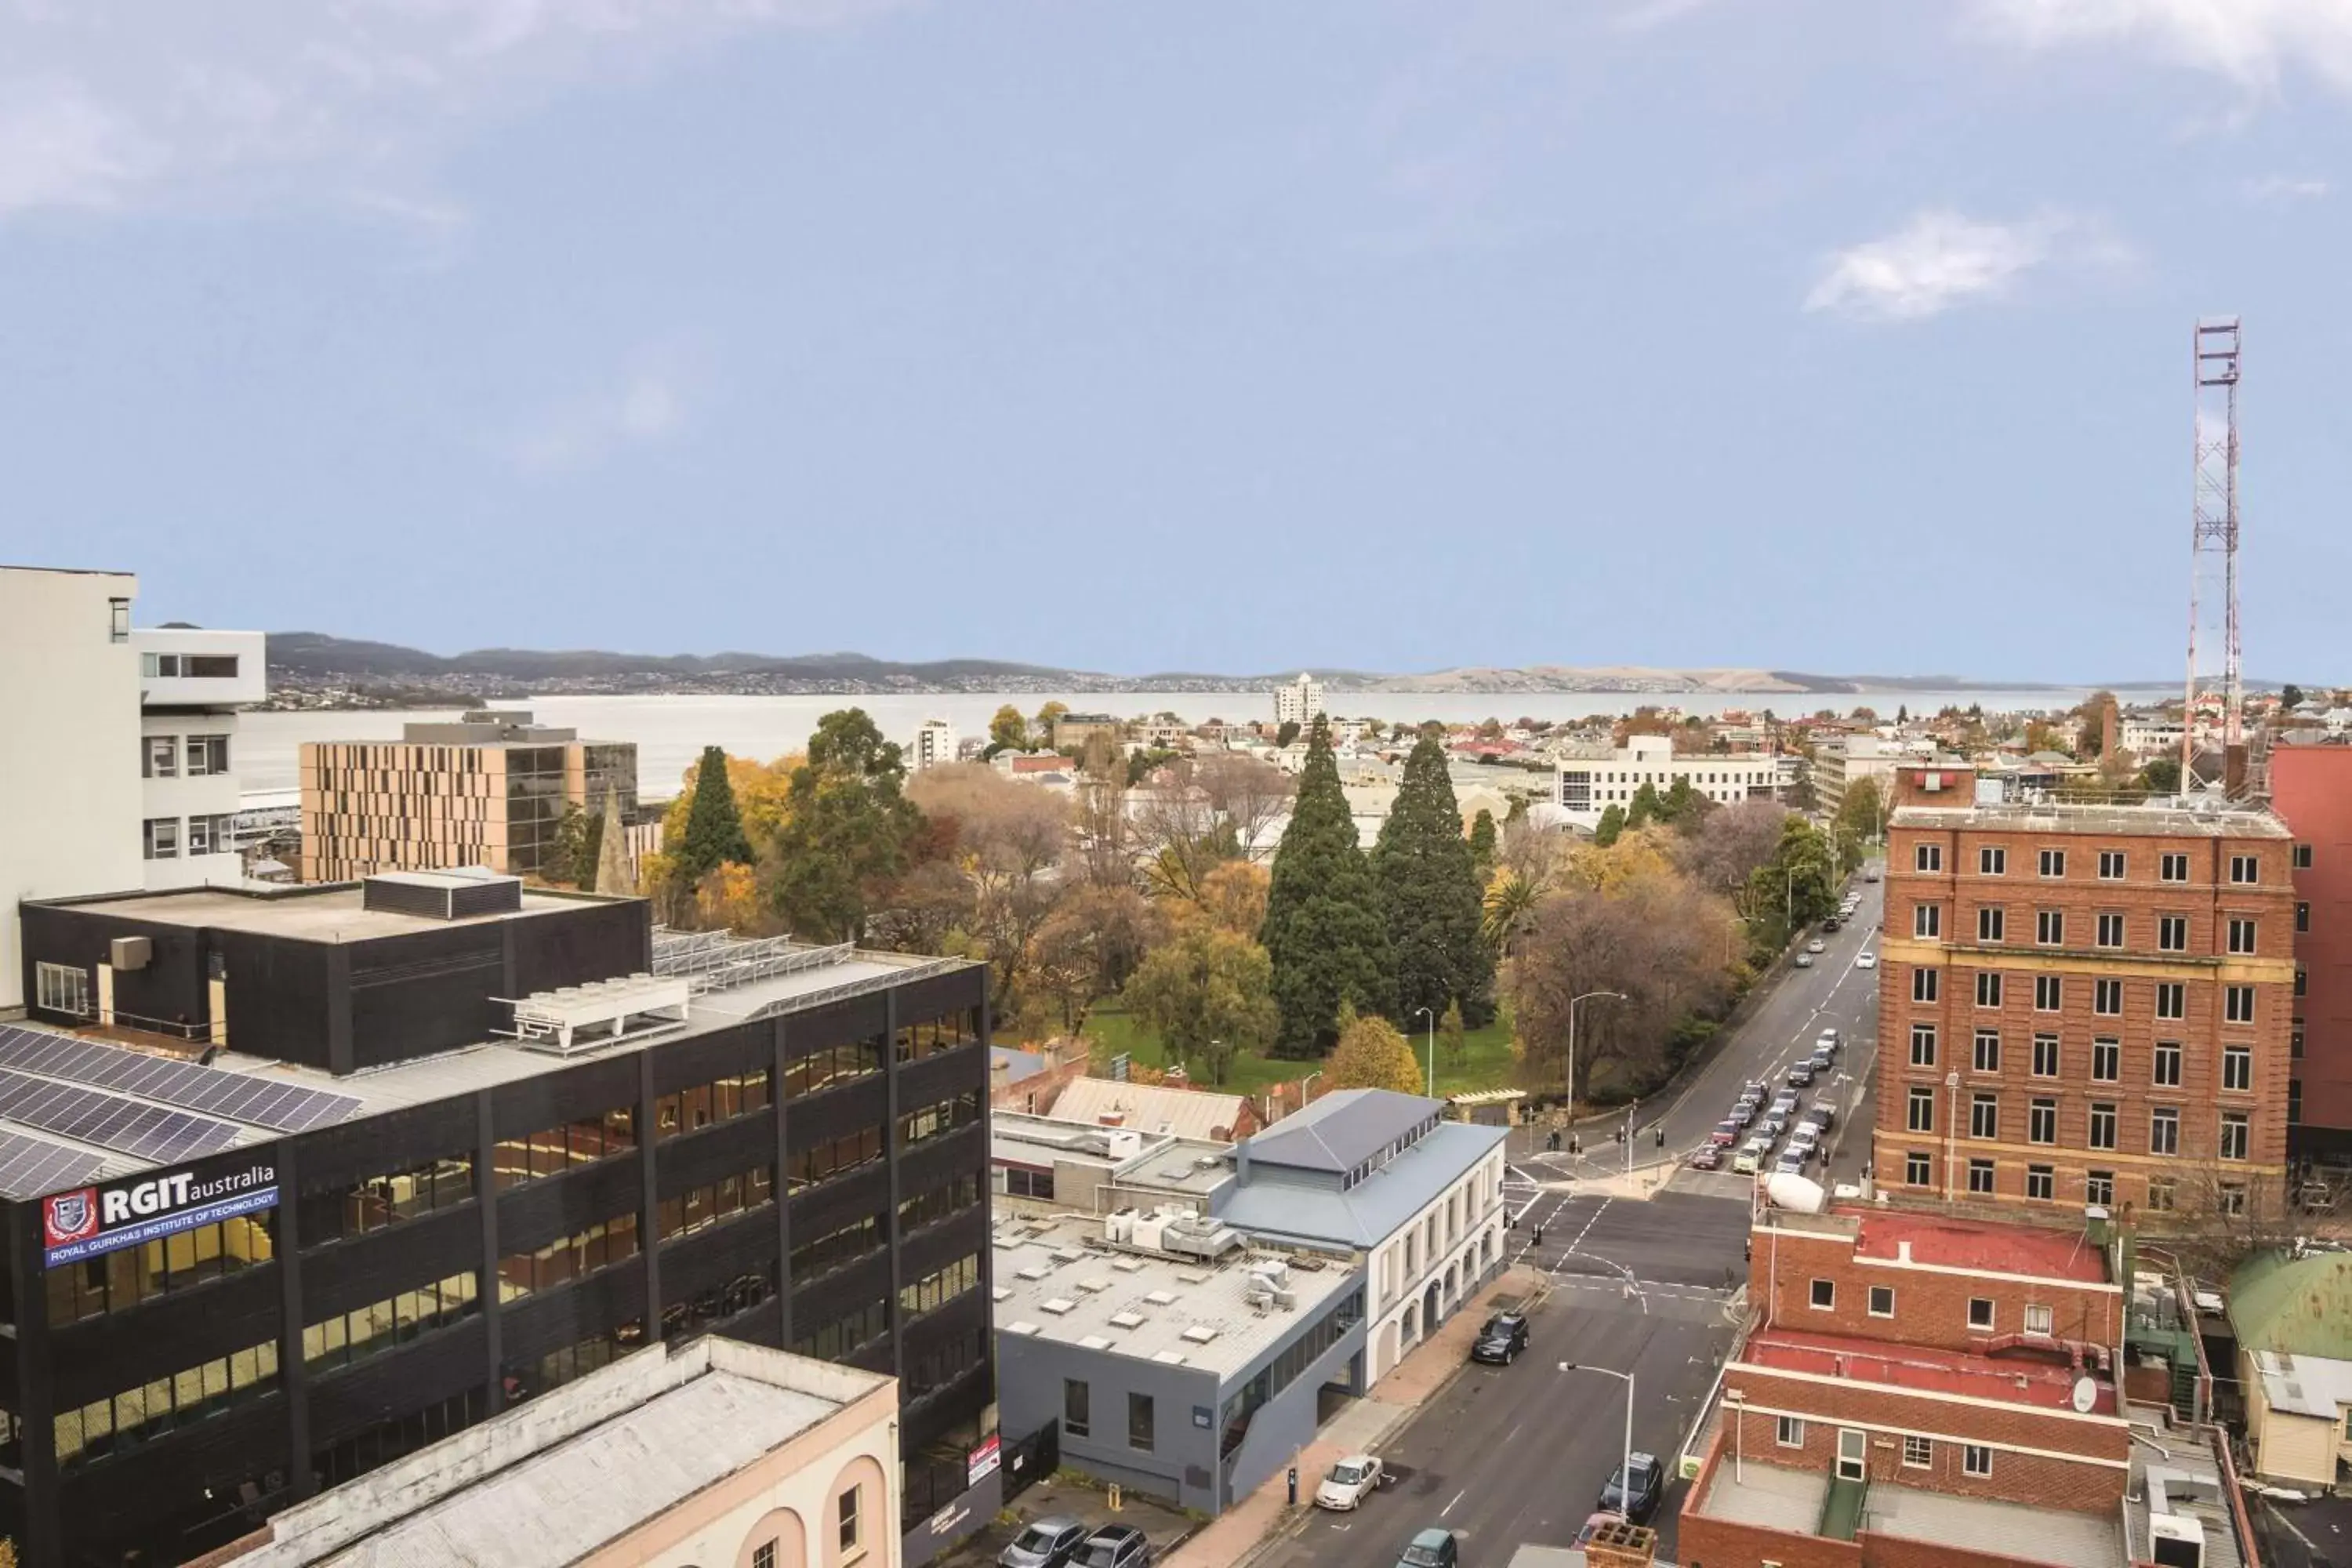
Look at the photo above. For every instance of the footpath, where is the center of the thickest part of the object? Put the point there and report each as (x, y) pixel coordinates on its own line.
(1265, 1518)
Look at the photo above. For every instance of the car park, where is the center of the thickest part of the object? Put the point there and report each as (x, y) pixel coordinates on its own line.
(1501, 1340)
(1634, 1496)
(1802, 1075)
(1047, 1542)
(1431, 1549)
(1114, 1546)
(1352, 1480)
(1708, 1159)
(1725, 1135)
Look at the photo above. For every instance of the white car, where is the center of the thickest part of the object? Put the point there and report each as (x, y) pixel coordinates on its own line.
(1817, 945)
(1352, 1480)
(1804, 961)
(1865, 960)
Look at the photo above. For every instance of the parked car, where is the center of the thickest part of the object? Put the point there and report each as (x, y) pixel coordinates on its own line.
(1865, 960)
(1804, 961)
(1431, 1549)
(1634, 1497)
(1817, 945)
(1725, 1135)
(1802, 1075)
(1502, 1338)
(1708, 1159)
(1352, 1480)
(1047, 1542)
(1114, 1546)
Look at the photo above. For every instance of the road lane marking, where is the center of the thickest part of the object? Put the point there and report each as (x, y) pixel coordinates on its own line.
(1457, 1497)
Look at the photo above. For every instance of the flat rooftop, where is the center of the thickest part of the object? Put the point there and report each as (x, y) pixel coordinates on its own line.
(1058, 1280)
(2020, 1380)
(331, 912)
(1776, 1496)
(1990, 1248)
(2233, 821)
(550, 1481)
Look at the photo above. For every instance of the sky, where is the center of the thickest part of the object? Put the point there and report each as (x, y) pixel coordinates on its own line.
(1845, 336)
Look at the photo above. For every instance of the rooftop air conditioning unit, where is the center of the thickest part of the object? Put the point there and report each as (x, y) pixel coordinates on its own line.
(1150, 1232)
(1202, 1238)
(1119, 1226)
(2176, 1541)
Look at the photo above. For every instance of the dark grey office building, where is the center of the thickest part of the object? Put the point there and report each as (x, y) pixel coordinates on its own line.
(451, 1144)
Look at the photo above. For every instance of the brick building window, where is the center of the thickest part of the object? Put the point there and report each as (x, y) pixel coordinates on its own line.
(1988, 1051)
(2049, 995)
(2174, 868)
(2295, 1102)
(2106, 1060)
(2241, 936)
(1984, 1116)
(2301, 981)
(2164, 1131)
(2232, 1197)
(1926, 919)
(2238, 1003)
(2099, 1187)
(1928, 858)
(1825, 1297)
(2111, 865)
(2245, 868)
(1980, 1177)
(2160, 1194)
(1921, 1111)
(2107, 998)
(1990, 920)
(2041, 1182)
(1922, 1045)
(2041, 1121)
(1882, 1300)
(2054, 862)
(2046, 1056)
(2172, 933)
(2294, 1041)
(1980, 1313)
(2171, 1000)
(1923, 985)
(2301, 916)
(1790, 1432)
(1918, 1452)
(2111, 930)
(2168, 1065)
(2103, 1127)
(1918, 1168)
(2233, 1135)
(1988, 988)
(2237, 1067)
(2050, 927)
(1992, 861)
(2302, 857)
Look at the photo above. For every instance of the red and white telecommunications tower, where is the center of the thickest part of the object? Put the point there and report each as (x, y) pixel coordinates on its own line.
(2214, 550)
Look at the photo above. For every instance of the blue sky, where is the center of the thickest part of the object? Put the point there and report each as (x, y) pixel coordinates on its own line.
(1842, 335)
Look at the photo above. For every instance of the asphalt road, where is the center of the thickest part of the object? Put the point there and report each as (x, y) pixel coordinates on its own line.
(1508, 1456)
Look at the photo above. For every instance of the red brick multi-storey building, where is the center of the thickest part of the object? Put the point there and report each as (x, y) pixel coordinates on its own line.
(2084, 1005)
(2311, 787)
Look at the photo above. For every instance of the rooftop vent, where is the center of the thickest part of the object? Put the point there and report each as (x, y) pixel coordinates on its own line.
(1033, 1272)
(1127, 1320)
(1201, 1333)
(466, 893)
(1095, 1343)
(1094, 1283)
(1169, 1358)
(1020, 1326)
(1058, 1305)
(1160, 1298)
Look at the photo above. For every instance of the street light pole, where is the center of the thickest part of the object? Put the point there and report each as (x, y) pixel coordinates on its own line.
(1432, 1049)
(1571, 1040)
(1625, 1476)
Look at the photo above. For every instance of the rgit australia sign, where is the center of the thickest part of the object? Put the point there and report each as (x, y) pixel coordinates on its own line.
(90, 1221)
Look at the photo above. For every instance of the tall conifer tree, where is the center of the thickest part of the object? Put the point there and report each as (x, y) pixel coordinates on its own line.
(1323, 928)
(1429, 894)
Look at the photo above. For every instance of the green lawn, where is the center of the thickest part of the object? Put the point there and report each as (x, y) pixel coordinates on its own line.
(1486, 1056)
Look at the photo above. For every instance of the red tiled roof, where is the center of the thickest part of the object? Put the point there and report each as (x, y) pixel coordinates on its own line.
(1984, 1245)
(2040, 1380)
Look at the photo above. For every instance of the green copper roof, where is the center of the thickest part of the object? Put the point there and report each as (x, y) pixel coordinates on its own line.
(2303, 1306)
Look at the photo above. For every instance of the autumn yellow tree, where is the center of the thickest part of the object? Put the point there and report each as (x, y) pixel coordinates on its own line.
(1372, 1054)
(761, 803)
(1232, 896)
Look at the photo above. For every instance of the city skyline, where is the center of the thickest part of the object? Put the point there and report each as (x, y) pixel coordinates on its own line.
(1661, 333)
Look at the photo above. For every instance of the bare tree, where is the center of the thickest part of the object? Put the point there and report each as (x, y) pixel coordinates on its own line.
(1180, 833)
(1730, 843)
(1010, 839)
(1249, 794)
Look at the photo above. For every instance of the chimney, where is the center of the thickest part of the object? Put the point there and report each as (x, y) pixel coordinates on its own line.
(1903, 1250)
(2107, 721)
(1620, 1545)
(2234, 771)
(1112, 1118)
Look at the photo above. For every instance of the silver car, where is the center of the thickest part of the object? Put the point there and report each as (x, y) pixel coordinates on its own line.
(1047, 1542)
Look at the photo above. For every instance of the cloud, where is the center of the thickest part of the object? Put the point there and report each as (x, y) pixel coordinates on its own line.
(646, 408)
(108, 105)
(2279, 190)
(2250, 42)
(1941, 260)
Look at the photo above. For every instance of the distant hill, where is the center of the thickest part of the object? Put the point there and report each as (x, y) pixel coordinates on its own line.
(317, 654)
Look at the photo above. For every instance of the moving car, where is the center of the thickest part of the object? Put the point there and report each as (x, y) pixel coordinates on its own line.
(1751, 1155)
(1352, 1480)
(1828, 1037)
(1865, 960)
(1822, 1059)
(1817, 945)
(1823, 1111)
(1804, 1141)
(1114, 1546)
(1635, 1498)
(1871, 875)
(1773, 1126)
(1725, 1135)
(1743, 1112)
(1832, 923)
(1708, 1159)
(1502, 1338)
(1804, 961)
(1431, 1549)
(1789, 1163)
(1785, 1102)
(1802, 1075)
(1047, 1542)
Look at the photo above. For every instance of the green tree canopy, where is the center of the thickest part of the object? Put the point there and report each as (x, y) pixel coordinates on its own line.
(1430, 893)
(2161, 776)
(1612, 824)
(1008, 731)
(848, 831)
(2290, 695)
(1371, 1054)
(714, 829)
(1287, 734)
(1482, 844)
(1323, 927)
(1208, 992)
(1858, 813)
(1644, 809)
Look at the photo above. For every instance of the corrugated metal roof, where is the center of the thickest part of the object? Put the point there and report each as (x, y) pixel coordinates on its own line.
(2301, 1306)
(1342, 1130)
(1372, 1210)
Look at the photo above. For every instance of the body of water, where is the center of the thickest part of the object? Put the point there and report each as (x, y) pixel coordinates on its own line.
(670, 731)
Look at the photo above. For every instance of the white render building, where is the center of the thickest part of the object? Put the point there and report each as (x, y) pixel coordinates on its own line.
(191, 685)
(935, 746)
(1298, 702)
(1587, 786)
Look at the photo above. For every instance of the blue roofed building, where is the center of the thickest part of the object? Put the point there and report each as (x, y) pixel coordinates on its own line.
(1385, 1175)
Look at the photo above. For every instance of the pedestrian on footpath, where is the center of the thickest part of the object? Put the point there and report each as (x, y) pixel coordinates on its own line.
(1539, 1236)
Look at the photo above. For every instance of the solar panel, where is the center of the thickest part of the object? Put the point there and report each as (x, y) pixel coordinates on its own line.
(241, 1097)
(30, 1168)
(110, 1121)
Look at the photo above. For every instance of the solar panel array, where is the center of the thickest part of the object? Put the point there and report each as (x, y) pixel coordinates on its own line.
(29, 1168)
(242, 1097)
(149, 1131)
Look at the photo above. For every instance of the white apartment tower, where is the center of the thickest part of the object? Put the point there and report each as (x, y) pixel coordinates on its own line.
(935, 745)
(91, 710)
(1588, 787)
(1298, 702)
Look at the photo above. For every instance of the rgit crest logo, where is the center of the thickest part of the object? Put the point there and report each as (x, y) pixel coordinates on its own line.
(68, 1217)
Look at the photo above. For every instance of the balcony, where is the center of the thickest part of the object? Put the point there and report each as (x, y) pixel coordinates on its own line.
(182, 667)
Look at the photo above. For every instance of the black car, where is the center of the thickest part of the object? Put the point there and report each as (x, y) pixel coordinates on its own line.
(1832, 923)
(1501, 1340)
(1801, 1075)
(1639, 1503)
(1114, 1546)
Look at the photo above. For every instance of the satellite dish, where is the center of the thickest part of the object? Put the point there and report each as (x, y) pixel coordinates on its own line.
(2086, 1395)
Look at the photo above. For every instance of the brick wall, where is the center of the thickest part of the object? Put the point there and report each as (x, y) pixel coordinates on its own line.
(2037, 1480)
(1931, 1307)
(1701, 1542)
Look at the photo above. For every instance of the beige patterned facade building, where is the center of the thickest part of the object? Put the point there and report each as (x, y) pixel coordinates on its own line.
(487, 790)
